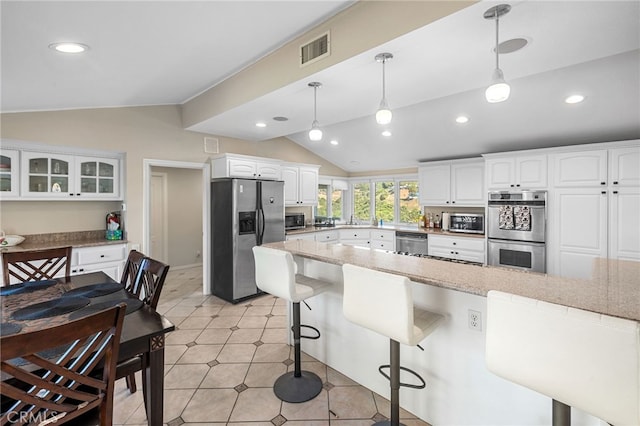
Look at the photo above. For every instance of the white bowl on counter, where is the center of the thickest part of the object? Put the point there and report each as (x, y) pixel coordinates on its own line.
(10, 240)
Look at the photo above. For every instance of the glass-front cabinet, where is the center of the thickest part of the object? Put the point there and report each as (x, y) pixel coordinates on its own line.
(9, 173)
(47, 175)
(97, 177)
(69, 176)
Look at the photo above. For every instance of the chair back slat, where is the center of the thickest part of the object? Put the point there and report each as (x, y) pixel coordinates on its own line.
(36, 265)
(130, 271)
(81, 379)
(150, 280)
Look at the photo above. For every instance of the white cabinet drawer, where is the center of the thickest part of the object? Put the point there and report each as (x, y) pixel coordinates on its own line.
(359, 242)
(305, 236)
(354, 234)
(101, 254)
(382, 245)
(462, 243)
(327, 236)
(383, 235)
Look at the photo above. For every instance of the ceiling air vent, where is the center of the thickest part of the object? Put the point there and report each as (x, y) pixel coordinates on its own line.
(315, 50)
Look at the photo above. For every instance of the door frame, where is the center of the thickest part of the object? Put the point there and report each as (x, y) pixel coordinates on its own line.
(147, 164)
(165, 219)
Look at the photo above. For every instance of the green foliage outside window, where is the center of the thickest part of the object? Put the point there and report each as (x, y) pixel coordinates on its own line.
(361, 201)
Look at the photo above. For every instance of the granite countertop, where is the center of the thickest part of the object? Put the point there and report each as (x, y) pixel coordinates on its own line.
(62, 239)
(403, 228)
(613, 289)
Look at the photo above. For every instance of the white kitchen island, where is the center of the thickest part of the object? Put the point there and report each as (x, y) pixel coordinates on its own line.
(460, 390)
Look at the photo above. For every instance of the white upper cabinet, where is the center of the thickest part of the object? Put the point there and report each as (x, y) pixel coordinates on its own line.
(61, 176)
(624, 166)
(580, 169)
(243, 166)
(300, 184)
(9, 174)
(455, 182)
(516, 171)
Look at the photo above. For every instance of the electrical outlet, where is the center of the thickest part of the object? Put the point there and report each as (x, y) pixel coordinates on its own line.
(475, 320)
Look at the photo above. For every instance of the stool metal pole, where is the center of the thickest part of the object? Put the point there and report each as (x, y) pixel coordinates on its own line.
(561, 414)
(296, 340)
(394, 356)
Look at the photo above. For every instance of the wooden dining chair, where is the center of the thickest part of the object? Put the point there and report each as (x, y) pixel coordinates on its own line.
(147, 285)
(36, 265)
(78, 383)
(130, 271)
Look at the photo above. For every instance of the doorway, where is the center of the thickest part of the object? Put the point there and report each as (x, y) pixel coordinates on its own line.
(151, 186)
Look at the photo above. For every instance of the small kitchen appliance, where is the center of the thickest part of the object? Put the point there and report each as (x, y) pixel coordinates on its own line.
(466, 223)
(293, 221)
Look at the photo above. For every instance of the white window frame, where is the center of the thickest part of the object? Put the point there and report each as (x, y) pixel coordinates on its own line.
(329, 182)
(372, 180)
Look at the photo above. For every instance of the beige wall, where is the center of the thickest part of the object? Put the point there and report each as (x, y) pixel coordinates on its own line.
(141, 133)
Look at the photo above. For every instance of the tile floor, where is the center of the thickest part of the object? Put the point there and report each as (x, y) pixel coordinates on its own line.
(222, 361)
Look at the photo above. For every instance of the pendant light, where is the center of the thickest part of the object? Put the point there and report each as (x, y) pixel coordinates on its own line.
(315, 134)
(383, 115)
(499, 90)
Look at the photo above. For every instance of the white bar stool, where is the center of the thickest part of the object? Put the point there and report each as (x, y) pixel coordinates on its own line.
(383, 303)
(578, 358)
(276, 273)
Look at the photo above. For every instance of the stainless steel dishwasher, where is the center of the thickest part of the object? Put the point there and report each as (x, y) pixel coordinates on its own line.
(411, 242)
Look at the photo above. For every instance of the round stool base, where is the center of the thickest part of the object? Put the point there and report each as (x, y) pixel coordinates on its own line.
(289, 388)
(387, 423)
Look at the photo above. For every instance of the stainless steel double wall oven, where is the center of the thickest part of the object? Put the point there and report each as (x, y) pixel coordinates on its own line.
(516, 230)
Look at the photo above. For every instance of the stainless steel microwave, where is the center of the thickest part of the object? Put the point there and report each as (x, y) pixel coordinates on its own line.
(467, 223)
(294, 221)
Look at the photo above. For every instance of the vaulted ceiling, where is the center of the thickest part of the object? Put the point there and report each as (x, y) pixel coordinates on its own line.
(154, 53)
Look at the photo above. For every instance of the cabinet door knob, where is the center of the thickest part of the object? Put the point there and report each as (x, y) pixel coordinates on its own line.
(604, 192)
(603, 183)
(615, 182)
(102, 255)
(518, 185)
(615, 192)
(512, 185)
(447, 202)
(453, 202)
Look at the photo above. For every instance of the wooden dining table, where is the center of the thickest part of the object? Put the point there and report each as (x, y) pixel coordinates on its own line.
(143, 331)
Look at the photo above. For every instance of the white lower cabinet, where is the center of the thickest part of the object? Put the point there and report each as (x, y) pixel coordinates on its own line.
(383, 240)
(311, 236)
(355, 237)
(460, 248)
(591, 223)
(327, 236)
(108, 258)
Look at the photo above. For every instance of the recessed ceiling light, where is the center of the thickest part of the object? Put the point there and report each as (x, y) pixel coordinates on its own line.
(333, 142)
(574, 99)
(69, 47)
(386, 133)
(462, 119)
(261, 124)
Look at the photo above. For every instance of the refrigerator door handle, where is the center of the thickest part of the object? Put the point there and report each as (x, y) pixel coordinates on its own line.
(262, 226)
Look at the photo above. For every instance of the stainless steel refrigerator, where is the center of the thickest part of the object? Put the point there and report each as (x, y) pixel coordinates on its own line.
(244, 213)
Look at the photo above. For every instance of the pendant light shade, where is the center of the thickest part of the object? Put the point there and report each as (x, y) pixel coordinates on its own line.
(315, 134)
(499, 90)
(384, 114)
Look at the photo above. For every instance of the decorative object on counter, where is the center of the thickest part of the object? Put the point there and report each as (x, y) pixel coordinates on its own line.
(499, 90)
(445, 221)
(114, 226)
(10, 240)
(383, 115)
(315, 134)
(324, 222)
